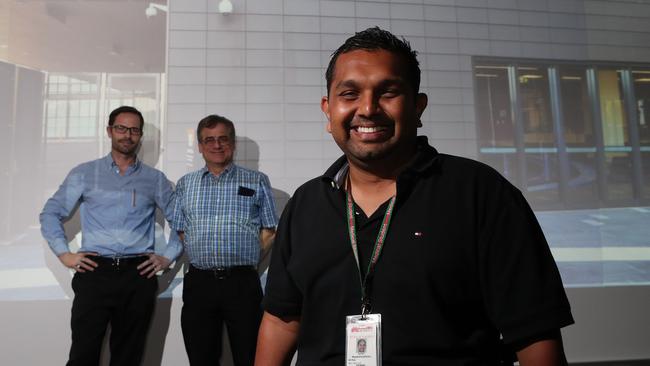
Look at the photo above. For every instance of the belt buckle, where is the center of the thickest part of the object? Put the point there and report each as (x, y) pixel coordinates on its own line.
(116, 263)
(221, 273)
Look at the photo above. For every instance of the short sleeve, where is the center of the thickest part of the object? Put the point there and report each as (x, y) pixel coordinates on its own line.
(178, 216)
(520, 281)
(282, 297)
(267, 206)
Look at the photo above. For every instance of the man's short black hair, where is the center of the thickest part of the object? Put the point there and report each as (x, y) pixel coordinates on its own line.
(373, 39)
(213, 120)
(125, 109)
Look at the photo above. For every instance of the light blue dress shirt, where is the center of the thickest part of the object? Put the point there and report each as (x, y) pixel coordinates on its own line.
(222, 215)
(117, 212)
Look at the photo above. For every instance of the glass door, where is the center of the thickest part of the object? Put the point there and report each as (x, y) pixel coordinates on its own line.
(641, 82)
(542, 179)
(579, 137)
(496, 129)
(618, 178)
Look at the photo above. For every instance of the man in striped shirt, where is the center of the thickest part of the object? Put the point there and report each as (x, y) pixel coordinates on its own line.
(225, 215)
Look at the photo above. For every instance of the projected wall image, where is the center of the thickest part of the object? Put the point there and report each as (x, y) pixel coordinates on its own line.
(574, 138)
(554, 94)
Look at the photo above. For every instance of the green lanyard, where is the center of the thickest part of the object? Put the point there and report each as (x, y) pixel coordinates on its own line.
(379, 244)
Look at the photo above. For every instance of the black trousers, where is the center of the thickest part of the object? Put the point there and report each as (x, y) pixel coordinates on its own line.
(117, 295)
(212, 298)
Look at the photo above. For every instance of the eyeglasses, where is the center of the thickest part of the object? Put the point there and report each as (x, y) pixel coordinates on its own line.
(137, 131)
(211, 140)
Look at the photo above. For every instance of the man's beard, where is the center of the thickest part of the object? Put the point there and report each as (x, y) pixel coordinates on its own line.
(127, 149)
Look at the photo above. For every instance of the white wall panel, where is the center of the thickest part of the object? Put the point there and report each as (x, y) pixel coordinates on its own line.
(264, 58)
(307, 24)
(500, 16)
(302, 41)
(226, 57)
(504, 32)
(337, 8)
(187, 39)
(225, 75)
(334, 25)
(226, 39)
(264, 76)
(186, 57)
(264, 112)
(188, 21)
(300, 7)
(372, 10)
(404, 11)
(186, 75)
(264, 6)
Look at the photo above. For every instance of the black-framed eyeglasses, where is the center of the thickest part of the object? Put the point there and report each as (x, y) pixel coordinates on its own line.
(212, 140)
(123, 129)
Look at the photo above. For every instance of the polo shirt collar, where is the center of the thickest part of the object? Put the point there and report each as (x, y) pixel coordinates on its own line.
(425, 156)
(424, 160)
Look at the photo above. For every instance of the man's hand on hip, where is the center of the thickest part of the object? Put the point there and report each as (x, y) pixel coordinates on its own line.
(154, 264)
(80, 262)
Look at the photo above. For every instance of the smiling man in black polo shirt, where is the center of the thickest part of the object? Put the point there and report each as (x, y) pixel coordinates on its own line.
(427, 257)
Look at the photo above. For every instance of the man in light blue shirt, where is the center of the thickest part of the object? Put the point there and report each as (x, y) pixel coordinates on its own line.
(114, 281)
(226, 215)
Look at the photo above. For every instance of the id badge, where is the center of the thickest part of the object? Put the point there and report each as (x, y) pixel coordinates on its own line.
(363, 340)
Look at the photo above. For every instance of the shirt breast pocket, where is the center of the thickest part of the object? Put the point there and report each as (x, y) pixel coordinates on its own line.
(246, 203)
(245, 191)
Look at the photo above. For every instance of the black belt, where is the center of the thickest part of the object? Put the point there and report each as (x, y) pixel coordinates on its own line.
(118, 263)
(222, 272)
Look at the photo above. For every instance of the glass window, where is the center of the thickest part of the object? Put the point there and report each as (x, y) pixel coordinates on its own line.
(580, 159)
(542, 173)
(579, 136)
(71, 110)
(641, 80)
(495, 121)
(616, 139)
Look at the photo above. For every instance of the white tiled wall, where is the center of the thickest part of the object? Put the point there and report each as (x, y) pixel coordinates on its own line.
(263, 65)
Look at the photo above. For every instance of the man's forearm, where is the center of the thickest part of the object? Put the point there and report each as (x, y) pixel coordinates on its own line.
(276, 340)
(547, 352)
(267, 235)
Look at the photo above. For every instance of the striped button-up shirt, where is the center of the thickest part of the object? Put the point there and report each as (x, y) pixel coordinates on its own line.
(222, 215)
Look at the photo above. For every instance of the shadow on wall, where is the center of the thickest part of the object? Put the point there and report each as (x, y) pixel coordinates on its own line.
(247, 155)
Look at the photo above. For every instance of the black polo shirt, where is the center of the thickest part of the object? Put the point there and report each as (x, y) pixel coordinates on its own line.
(465, 262)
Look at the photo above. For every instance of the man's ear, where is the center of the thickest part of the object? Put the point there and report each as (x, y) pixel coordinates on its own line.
(109, 132)
(421, 101)
(325, 107)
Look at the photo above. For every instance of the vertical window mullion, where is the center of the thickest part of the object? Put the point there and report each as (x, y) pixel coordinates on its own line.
(558, 130)
(592, 86)
(633, 124)
(519, 126)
